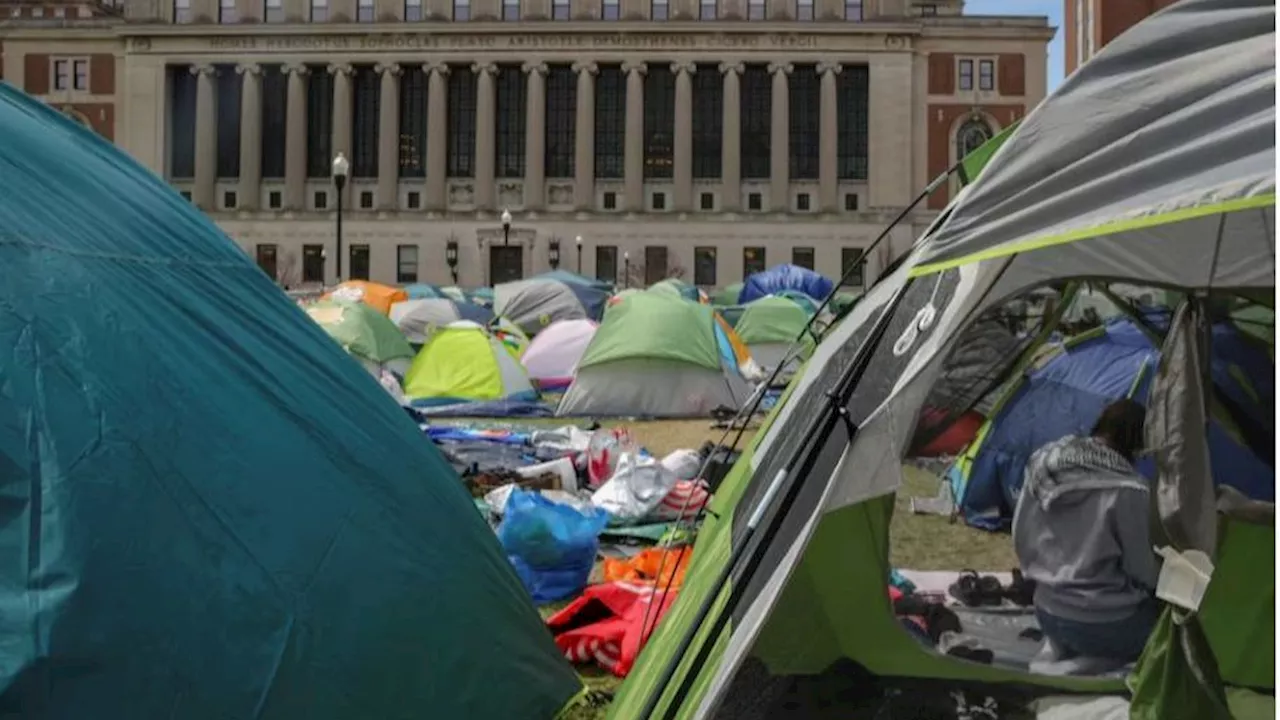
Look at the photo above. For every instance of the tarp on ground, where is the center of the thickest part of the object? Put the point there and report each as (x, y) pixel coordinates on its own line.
(209, 510)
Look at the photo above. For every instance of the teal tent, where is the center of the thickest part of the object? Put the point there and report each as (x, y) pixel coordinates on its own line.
(209, 509)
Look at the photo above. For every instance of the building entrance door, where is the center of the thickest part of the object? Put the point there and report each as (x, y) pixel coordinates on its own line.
(506, 263)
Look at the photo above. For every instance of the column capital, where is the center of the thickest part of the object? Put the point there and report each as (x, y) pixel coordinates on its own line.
(586, 66)
(684, 66)
(736, 68)
(390, 68)
(296, 69)
(535, 66)
(829, 67)
(440, 68)
(203, 69)
(340, 69)
(248, 69)
(780, 67)
(484, 68)
(635, 66)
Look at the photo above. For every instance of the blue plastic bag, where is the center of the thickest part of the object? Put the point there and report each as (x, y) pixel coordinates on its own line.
(552, 546)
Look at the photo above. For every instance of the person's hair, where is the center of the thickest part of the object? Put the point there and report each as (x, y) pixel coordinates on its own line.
(1120, 426)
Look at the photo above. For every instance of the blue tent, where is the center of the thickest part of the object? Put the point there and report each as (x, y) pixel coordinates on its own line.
(1066, 389)
(423, 291)
(782, 278)
(207, 509)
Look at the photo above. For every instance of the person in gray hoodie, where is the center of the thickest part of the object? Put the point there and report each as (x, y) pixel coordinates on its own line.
(1082, 533)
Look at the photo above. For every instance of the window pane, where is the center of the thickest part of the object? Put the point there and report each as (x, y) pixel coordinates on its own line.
(182, 122)
(359, 262)
(313, 263)
(803, 128)
(851, 123)
(707, 10)
(319, 121)
(407, 263)
(752, 261)
(610, 10)
(461, 10)
(413, 10)
(560, 10)
(659, 10)
(562, 119)
(848, 258)
(228, 90)
(708, 114)
(510, 10)
(510, 122)
(413, 122)
(853, 10)
(802, 257)
(755, 10)
(611, 118)
(366, 99)
(607, 263)
(275, 102)
(966, 74)
(655, 264)
(757, 121)
(659, 121)
(986, 75)
(267, 257)
(704, 266)
(462, 122)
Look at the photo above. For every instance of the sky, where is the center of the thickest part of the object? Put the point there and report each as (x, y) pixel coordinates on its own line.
(1050, 8)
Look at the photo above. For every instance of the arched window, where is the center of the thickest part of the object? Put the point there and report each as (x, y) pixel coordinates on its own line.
(971, 135)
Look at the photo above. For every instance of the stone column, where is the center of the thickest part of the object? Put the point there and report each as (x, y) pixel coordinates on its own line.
(682, 147)
(295, 148)
(890, 131)
(250, 190)
(731, 141)
(342, 118)
(584, 151)
(206, 150)
(389, 138)
(633, 153)
(535, 137)
(485, 135)
(437, 136)
(828, 143)
(780, 140)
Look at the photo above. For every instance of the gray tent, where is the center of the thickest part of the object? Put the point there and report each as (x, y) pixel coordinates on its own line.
(417, 318)
(539, 301)
(1153, 165)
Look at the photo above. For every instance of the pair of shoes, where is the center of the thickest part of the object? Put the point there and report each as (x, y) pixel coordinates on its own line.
(977, 591)
(1021, 591)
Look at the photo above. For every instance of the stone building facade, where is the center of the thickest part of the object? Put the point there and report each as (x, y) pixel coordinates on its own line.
(700, 138)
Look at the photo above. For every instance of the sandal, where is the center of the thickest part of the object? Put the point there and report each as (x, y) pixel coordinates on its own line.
(1021, 591)
(977, 591)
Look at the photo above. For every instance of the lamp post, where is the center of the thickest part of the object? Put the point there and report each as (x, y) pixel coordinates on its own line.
(506, 227)
(340, 169)
(553, 252)
(578, 242)
(451, 257)
(626, 269)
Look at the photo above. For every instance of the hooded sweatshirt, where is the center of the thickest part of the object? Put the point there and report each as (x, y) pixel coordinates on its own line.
(1082, 532)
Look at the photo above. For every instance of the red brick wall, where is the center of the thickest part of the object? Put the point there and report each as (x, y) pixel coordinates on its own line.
(101, 116)
(36, 75)
(942, 73)
(942, 118)
(102, 74)
(1011, 75)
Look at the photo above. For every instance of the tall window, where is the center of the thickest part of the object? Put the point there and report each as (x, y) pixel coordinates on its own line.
(413, 123)
(267, 259)
(755, 9)
(228, 89)
(461, 9)
(406, 263)
(804, 10)
(853, 10)
(659, 121)
(851, 260)
(966, 74)
(609, 10)
(313, 263)
(757, 111)
(562, 120)
(510, 10)
(971, 135)
(509, 124)
(366, 99)
(987, 75)
(607, 263)
(706, 9)
(182, 12)
(708, 114)
(275, 102)
(364, 11)
(412, 10)
(655, 264)
(802, 257)
(319, 10)
(851, 123)
(227, 12)
(359, 266)
(611, 121)
(182, 122)
(319, 121)
(462, 122)
(752, 261)
(560, 9)
(273, 11)
(704, 266)
(803, 128)
(659, 10)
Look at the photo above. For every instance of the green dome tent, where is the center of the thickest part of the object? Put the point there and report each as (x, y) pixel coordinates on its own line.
(769, 326)
(365, 333)
(727, 295)
(210, 510)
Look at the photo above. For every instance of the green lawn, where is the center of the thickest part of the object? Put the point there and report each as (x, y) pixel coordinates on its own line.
(918, 542)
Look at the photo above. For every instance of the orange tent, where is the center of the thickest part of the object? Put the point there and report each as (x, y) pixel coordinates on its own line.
(379, 297)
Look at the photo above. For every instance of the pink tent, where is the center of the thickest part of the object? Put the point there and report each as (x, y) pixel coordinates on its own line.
(552, 356)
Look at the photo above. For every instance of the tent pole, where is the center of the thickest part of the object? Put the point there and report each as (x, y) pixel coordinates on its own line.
(749, 408)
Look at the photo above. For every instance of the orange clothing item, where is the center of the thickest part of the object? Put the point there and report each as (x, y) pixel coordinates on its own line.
(377, 296)
(643, 568)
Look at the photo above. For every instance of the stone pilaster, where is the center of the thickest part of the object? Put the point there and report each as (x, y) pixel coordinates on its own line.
(295, 144)
(342, 117)
(250, 190)
(206, 150)
(437, 137)
(486, 146)
(584, 160)
(682, 146)
(389, 137)
(731, 147)
(780, 139)
(633, 152)
(535, 140)
(828, 183)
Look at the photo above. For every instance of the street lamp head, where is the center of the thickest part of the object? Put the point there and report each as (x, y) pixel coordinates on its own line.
(626, 256)
(578, 240)
(451, 253)
(506, 218)
(341, 167)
